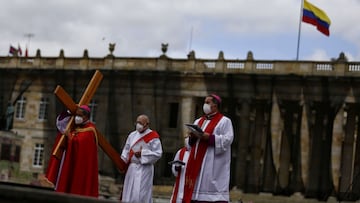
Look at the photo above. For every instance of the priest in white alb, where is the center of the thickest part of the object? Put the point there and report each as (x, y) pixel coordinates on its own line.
(207, 176)
(141, 151)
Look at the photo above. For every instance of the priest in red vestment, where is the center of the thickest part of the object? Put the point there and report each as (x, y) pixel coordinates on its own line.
(77, 171)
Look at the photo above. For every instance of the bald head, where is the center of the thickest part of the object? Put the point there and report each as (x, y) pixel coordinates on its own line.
(144, 121)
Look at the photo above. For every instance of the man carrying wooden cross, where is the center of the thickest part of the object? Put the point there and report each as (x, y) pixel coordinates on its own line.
(78, 169)
(73, 166)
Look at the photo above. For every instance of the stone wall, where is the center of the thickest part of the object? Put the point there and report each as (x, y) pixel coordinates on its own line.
(294, 121)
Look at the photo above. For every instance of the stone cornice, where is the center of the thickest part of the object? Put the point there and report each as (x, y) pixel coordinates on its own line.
(337, 68)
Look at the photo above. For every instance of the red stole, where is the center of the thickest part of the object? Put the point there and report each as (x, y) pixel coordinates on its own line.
(146, 138)
(194, 163)
(177, 182)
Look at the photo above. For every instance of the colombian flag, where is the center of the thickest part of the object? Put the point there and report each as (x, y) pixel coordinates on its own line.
(316, 17)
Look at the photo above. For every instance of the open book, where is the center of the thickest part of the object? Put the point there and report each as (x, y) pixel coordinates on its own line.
(176, 162)
(195, 129)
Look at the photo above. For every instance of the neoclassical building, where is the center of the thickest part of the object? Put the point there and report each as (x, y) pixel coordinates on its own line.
(295, 122)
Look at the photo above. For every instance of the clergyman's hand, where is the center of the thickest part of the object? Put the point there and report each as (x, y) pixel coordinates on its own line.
(138, 153)
(205, 136)
(191, 135)
(67, 133)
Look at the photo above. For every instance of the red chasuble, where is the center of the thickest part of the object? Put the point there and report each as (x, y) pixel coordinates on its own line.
(78, 173)
(194, 163)
(53, 165)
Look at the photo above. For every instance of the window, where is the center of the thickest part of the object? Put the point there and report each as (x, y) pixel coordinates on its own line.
(5, 152)
(173, 115)
(20, 108)
(43, 108)
(38, 155)
(17, 153)
(93, 108)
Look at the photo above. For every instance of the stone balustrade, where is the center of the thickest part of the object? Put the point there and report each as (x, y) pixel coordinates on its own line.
(338, 68)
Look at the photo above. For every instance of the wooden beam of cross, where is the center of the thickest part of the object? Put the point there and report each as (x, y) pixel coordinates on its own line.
(68, 102)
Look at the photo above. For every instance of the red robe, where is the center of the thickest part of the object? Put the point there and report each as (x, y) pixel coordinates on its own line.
(78, 172)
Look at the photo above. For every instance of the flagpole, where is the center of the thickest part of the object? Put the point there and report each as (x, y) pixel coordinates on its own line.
(191, 36)
(299, 32)
(29, 36)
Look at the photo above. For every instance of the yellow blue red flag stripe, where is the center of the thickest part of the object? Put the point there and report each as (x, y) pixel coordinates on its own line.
(317, 17)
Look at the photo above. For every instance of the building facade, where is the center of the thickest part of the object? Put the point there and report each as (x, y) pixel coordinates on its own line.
(295, 122)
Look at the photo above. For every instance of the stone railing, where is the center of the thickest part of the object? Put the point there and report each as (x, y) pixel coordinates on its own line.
(222, 66)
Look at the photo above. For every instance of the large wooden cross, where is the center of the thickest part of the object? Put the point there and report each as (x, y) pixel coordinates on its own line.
(68, 102)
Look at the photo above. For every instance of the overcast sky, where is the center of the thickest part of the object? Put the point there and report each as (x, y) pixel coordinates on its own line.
(268, 28)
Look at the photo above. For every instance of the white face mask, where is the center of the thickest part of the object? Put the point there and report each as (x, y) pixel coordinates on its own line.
(139, 127)
(78, 120)
(207, 108)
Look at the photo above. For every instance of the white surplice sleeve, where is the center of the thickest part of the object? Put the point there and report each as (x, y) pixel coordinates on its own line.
(152, 152)
(224, 135)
